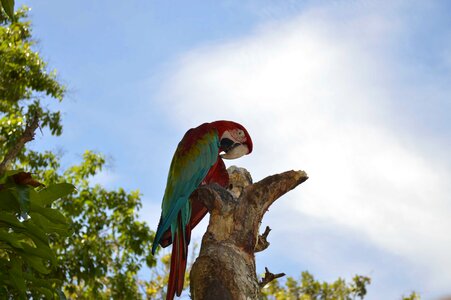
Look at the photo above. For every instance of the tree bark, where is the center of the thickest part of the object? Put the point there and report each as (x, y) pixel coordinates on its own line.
(225, 268)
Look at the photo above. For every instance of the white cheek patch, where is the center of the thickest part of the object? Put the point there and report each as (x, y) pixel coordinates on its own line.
(236, 152)
(241, 138)
(227, 135)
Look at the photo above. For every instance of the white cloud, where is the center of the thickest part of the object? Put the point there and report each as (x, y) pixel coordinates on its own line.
(319, 93)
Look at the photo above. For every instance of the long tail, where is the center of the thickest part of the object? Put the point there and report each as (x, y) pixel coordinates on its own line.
(179, 258)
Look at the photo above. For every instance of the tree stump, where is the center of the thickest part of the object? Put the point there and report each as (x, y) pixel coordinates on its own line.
(225, 268)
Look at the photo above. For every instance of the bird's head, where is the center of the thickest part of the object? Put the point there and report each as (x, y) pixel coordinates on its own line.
(234, 139)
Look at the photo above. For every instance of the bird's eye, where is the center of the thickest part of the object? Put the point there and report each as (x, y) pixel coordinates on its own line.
(240, 133)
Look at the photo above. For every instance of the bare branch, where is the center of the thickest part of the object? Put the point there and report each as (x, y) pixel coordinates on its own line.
(268, 190)
(266, 233)
(27, 135)
(262, 242)
(269, 277)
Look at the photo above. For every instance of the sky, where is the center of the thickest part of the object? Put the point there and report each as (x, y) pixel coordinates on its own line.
(356, 93)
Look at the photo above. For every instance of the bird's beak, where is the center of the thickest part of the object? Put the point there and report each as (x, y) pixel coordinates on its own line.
(235, 151)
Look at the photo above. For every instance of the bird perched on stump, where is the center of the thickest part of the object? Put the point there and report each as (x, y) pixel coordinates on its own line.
(198, 160)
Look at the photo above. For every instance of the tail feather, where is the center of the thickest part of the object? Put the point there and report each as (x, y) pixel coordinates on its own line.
(178, 261)
(181, 277)
(197, 214)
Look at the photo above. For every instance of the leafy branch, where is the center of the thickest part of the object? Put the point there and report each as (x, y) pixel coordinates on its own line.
(8, 7)
(27, 223)
(27, 135)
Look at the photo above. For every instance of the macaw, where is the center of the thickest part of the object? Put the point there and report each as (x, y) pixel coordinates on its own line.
(197, 161)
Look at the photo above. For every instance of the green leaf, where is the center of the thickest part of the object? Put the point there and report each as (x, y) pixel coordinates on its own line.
(8, 6)
(42, 251)
(51, 214)
(17, 277)
(53, 192)
(22, 194)
(37, 282)
(48, 226)
(11, 239)
(34, 232)
(46, 292)
(8, 202)
(36, 263)
(11, 220)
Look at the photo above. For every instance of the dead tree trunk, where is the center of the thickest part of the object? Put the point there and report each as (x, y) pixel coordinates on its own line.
(225, 268)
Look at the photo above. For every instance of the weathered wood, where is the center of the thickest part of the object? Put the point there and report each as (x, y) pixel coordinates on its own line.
(262, 241)
(225, 268)
(269, 277)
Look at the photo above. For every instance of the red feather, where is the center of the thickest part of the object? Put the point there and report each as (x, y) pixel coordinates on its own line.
(179, 258)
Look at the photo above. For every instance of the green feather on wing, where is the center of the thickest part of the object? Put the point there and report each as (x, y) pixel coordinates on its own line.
(195, 155)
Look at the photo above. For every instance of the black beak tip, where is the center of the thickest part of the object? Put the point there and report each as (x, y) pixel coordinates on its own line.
(226, 144)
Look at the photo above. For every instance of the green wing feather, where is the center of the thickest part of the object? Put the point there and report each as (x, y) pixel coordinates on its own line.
(190, 164)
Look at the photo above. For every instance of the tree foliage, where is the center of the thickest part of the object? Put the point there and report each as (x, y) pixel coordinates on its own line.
(27, 225)
(8, 7)
(107, 244)
(25, 84)
(412, 296)
(308, 288)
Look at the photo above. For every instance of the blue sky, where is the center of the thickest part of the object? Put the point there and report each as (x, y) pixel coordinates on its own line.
(357, 93)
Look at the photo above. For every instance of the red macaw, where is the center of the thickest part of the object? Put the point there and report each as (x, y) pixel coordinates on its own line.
(197, 161)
